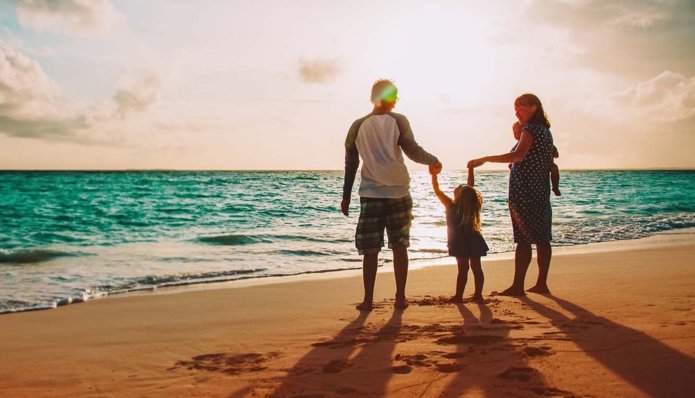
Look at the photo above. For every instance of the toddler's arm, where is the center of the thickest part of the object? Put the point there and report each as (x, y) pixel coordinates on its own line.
(446, 201)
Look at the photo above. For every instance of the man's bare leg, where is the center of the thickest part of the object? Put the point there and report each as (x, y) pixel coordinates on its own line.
(544, 253)
(400, 270)
(370, 264)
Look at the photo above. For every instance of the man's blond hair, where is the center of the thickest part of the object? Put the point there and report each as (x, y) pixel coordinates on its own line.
(382, 87)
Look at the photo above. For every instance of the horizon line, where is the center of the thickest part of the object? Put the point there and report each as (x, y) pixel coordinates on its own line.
(332, 170)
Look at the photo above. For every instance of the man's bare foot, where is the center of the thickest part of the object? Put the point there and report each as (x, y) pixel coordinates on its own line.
(456, 300)
(512, 291)
(401, 304)
(365, 306)
(556, 191)
(539, 289)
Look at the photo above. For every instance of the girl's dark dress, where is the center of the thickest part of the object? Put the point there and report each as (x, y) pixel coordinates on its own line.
(463, 243)
(529, 190)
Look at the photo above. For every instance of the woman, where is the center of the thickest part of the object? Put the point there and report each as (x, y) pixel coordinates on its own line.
(529, 193)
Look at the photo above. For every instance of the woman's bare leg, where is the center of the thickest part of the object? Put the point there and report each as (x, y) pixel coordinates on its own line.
(522, 259)
(544, 255)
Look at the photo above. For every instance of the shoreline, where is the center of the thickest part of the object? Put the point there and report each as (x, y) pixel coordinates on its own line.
(671, 237)
(620, 323)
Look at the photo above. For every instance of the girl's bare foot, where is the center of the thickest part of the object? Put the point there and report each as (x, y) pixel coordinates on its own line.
(365, 306)
(478, 299)
(539, 289)
(456, 300)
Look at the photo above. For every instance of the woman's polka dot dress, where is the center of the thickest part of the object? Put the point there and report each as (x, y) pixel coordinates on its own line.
(529, 190)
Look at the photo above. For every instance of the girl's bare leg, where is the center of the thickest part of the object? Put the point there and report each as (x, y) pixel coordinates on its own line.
(461, 279)
(478, 278)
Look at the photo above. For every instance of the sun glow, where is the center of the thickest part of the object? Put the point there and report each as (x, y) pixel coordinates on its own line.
(416, 48)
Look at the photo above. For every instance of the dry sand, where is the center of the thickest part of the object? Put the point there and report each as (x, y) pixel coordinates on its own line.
(620, 323)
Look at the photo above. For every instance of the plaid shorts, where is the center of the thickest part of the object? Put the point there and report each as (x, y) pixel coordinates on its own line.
(395, 215)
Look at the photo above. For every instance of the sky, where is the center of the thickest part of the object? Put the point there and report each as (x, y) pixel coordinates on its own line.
(268, 85)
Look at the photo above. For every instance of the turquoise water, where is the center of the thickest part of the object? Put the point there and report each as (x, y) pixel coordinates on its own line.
(71, 236)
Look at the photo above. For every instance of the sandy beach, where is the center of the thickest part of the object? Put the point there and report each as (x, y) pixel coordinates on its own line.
(619, 323)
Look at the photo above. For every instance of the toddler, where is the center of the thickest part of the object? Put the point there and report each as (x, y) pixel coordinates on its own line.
(554, 170)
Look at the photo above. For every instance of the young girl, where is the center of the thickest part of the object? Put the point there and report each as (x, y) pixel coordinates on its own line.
(465, 241)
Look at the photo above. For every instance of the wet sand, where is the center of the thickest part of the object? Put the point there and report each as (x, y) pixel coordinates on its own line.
(619, 323)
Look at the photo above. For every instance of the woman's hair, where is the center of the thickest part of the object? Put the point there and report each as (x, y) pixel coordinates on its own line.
(539, 117)
(468, 205)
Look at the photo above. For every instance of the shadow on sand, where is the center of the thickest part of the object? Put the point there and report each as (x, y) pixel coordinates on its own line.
(340, 365)
(641, 360)
(495, 368)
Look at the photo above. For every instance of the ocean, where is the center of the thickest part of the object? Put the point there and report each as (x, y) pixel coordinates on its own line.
(67, 237)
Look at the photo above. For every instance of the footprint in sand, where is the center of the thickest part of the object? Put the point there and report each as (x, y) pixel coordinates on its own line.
(448, 367)
(518, 373)
(336, 366)
(481, 339)
(402, 369)
(421, 360)
(454, 355)
(550, 391)
(535, 351)
(227, 363)
(413, 360)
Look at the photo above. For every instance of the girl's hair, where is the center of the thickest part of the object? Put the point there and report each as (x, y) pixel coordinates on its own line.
(468, 206)
(539, 117)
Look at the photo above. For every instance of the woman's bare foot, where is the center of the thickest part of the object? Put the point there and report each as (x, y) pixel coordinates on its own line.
(512, 291)
(365, 306)
(539, 289)
(401, 304)
(477, 299)
(456, 300)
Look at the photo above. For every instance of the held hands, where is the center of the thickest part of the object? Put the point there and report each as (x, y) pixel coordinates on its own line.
(436, 168)
(345, 206)
(476, 163)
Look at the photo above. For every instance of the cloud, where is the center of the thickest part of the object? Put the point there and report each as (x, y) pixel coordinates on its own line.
(668, 97)
(33, 106)
(137, 93)
(635, 38)
(319, 70)
(67, 16)
(26, 92)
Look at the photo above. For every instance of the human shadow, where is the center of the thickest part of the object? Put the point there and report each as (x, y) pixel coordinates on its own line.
(342, 364)
(641, 360)
(487, 364)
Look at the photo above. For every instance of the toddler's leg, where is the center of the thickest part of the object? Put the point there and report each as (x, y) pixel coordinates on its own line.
(555, 178)
(478, 278)
(461, 279)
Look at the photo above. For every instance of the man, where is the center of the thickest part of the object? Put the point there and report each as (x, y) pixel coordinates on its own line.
(380, 139)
